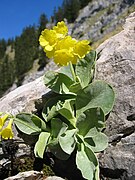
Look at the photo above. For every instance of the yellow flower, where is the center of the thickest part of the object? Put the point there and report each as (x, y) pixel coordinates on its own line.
(64, 51)
(7, 132)
(66, 43)
(61, 29)
(82, 48)
(48, 39)
(62, 48)
(2, 120)
(63, 57)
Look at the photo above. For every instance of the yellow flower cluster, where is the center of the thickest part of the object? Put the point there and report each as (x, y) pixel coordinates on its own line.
(63, 48)
(6, 133)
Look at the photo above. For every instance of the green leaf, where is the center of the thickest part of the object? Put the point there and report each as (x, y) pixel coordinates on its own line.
(51, 107)
(67, 141)
(97, 94)
(96, 176)
(58, 127)
(67, 71)
(98, 142)
(90, 122)
(86, 161)
(29, 123)
(75, 87)
(67, 111)
(84, 68)
(57, 151)
(58, 82)
(41, 144)
(49, 111)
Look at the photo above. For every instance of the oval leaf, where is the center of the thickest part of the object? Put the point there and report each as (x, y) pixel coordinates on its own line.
(50, 109)
(67, 111)
(86, 161)
(58, 127)
(58, 82)
(41, 144)
(57, 151)
(67, 141)
(84, 68)
(90, 122)
(97, 94)
(29, 123)
(67, 71)
(98, 142)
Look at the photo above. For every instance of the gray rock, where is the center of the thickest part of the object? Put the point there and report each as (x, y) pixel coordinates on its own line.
(33, 175)
(29, 175)
(34, 73)
(22, 99)
(101, 17)
(54, 178)
(116, 65)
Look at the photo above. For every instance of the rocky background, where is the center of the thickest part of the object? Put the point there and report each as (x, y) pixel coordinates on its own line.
(116, 65)
(98, 21)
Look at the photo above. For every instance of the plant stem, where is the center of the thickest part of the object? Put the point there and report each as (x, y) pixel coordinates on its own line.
(72, 71)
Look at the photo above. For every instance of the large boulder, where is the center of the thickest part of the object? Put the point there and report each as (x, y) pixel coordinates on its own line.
(23, 98)
(32, 175)
(116, 65)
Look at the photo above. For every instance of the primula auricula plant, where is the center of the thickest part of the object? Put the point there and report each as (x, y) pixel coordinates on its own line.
(73, 120)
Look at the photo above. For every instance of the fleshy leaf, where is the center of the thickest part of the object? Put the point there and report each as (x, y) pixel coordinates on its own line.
(67, 141)
(97, 94)
(57, 151)
(58, 82)
(67, 71)
(29, 123)
(51, 107)
(86, 161)
(58, 127)
(98, 142)
(90, 122)
(96, 175)
(75, 87)
(67, 111)
(85, 67)
(41, 144)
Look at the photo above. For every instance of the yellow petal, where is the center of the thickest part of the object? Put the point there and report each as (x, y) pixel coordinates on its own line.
(48, 37)
(48, 48)
(42, 41)
(7, 132)
(66, 43)
(63, 57)
(2, 120)
(82, 48)
(74, 60)
(61, 29)
(50, 54)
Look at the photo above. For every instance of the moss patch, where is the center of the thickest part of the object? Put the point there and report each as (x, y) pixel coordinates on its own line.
(28, 163)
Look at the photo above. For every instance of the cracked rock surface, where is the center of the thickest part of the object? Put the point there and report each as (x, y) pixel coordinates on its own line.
(116, 65)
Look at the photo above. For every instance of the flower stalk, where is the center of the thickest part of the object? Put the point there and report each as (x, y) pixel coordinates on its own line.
(72, 71)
